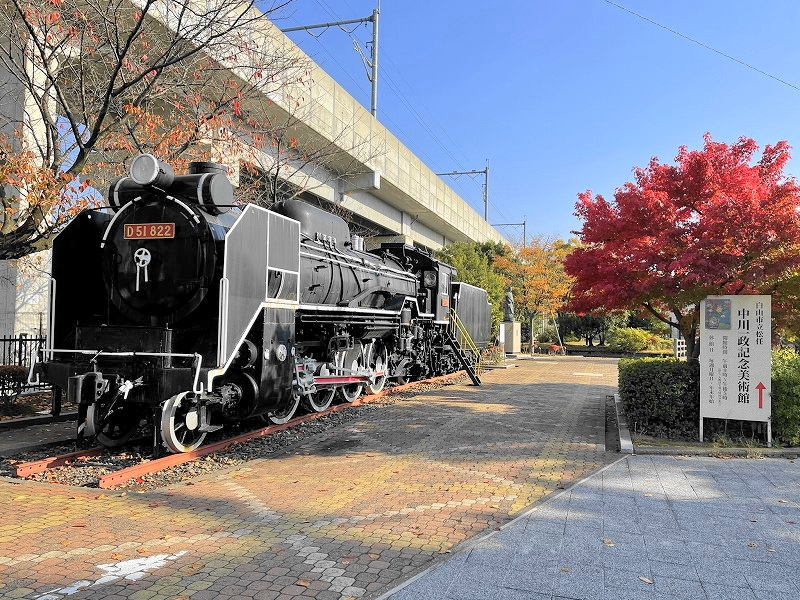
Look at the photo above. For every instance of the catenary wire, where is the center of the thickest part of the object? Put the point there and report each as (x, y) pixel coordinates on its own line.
(361, 86)
(394, 86)
(419, 117)
(396, 89)
(386, 118)
(699, 43)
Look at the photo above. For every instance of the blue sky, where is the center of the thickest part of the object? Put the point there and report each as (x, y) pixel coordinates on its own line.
(566, 95)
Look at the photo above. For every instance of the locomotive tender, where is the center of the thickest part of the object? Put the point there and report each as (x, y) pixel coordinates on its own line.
(174, 304)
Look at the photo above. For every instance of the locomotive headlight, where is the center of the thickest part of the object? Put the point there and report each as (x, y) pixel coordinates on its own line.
(146, 169)
(429, 279)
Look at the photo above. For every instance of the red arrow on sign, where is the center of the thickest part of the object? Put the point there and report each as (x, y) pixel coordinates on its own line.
(761, 387)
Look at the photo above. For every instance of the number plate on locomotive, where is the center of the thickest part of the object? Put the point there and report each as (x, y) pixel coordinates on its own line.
(149, 231)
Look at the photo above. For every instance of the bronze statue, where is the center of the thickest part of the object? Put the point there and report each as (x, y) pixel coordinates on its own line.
(508, 306)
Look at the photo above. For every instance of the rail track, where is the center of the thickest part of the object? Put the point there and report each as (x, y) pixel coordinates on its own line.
(31, 421)
(146, 467)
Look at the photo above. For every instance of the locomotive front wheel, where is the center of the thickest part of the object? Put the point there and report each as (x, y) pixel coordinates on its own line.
(180, 423)
(110, 424)
(320, 400)
(378, 362)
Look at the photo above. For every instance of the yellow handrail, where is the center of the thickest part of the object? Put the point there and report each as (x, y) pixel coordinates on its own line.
(465, 340)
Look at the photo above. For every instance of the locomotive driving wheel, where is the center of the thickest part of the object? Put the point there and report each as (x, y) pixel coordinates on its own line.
(285, 412)
(319, 400)
(351, 363)
(180, 423)
(378, 362)
(112, 423)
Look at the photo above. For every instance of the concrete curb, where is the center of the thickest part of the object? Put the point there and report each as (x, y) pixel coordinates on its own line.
(718, 452)
(627, 446)
(625, 442)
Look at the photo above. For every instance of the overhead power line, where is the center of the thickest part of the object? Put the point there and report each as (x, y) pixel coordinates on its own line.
(371, 63)
(412, 110)
(699, 43)
(485, 173)
(433, 130)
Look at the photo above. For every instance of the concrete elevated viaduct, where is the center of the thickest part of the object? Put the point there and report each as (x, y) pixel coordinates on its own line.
(395, 189)
(374, 176)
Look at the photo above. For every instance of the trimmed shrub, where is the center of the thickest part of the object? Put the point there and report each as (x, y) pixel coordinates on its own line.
(549, 335)
(786, 397)
(659, 342)
(12, 377)
(628, 339)
(660, 396)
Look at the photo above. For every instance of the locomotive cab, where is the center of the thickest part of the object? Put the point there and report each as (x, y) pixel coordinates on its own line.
(433, 279)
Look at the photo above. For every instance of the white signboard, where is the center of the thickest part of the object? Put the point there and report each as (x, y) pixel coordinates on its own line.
(736, 359)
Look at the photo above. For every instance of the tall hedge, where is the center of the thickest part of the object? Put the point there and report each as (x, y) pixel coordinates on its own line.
(660, 396)
(786, 397)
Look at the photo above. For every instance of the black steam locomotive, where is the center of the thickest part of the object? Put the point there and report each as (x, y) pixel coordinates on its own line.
(174, 304)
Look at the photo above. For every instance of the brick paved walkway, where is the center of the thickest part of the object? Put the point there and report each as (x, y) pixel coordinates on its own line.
(348, 514)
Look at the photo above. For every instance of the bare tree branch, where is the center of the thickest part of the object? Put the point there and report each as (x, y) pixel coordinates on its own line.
(100, 80)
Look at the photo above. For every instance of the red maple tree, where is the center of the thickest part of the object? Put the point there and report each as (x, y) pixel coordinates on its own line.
(715, 222)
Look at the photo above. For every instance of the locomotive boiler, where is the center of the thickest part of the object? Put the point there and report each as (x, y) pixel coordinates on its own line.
(175, 307)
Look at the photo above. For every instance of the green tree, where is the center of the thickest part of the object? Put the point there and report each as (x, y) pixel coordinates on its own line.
(591, 326)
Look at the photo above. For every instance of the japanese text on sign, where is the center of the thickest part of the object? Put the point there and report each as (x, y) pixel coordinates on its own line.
(735, 357)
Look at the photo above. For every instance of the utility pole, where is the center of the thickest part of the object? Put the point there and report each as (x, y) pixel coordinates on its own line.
(523, 224)
(485, 173)
(372, 64)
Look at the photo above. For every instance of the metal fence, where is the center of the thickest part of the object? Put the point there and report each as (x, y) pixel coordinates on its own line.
(19, 351)
(15, 323)
(33, 323)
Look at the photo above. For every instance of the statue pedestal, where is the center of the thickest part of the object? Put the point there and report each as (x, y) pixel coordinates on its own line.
(511, 335)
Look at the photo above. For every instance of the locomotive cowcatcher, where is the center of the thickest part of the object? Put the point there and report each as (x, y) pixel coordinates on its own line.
(175, 307)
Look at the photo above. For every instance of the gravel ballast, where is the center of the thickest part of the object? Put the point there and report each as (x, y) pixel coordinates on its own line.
(87, 472)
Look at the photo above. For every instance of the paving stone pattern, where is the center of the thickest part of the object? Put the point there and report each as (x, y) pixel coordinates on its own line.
(648, 528)
(351, 513)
